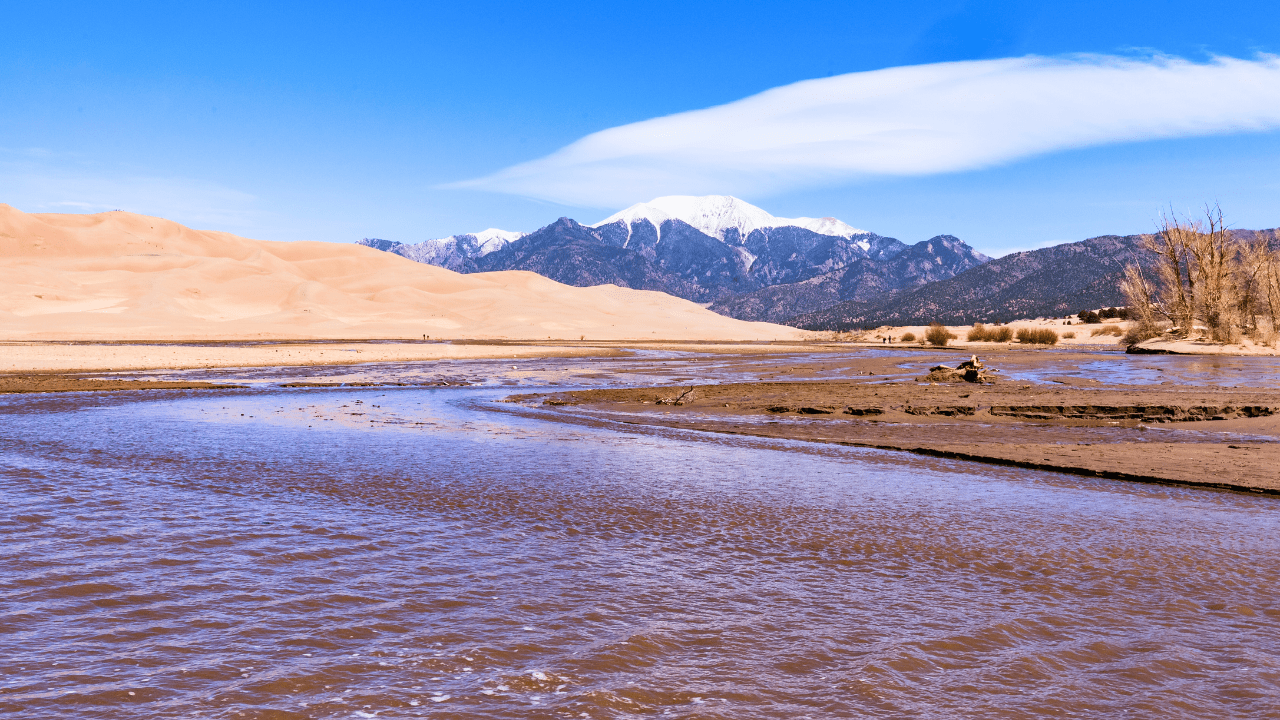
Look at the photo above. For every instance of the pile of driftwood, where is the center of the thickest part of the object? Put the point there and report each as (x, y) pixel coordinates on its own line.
(971, 370)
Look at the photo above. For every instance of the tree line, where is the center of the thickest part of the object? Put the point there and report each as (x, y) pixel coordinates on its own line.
(1200, 280)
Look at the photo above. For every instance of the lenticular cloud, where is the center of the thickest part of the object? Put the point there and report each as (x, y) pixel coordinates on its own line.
(915, 120)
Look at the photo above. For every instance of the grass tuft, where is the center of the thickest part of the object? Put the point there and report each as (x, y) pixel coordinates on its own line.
(982, 333)
(1037, 336)
(938, 335)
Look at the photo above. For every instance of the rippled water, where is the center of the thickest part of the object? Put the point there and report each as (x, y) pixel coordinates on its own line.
(426, 552)
(1182, 370)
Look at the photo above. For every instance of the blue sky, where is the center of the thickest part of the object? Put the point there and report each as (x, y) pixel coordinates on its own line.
(340, 121)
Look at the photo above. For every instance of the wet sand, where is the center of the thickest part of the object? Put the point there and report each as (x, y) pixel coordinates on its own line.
(56, 357)
(97, 366)
(1205, 422)
(1202, 435)
(61, 382)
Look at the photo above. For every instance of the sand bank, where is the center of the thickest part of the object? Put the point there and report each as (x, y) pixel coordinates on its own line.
(64, 382)
(1203, 436)
(118, 357)
(1244, 348)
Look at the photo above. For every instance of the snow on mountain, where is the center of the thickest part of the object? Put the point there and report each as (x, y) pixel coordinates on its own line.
(493, 239)
(456, 252)
(708, 249)
(824, 226)
(715, 214)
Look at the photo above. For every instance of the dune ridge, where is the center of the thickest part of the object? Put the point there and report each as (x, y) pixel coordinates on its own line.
(122, 276)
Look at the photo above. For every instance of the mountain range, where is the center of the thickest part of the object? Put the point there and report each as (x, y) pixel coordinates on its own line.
(712, 249)
(859, 281)
(812, 273)
(456, 253)
(1049, 282)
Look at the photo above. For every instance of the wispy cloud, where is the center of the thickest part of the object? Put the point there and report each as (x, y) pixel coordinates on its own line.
(36, 187)
(916, 120)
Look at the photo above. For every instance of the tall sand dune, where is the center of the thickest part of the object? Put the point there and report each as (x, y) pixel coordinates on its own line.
(120, 276)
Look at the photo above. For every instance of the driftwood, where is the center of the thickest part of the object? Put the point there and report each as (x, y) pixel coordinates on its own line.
(683, 398)
(971, 370)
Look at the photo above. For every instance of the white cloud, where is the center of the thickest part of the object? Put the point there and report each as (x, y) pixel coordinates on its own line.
(916, 120)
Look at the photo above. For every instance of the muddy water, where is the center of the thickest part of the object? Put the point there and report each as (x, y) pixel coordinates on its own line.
(428, 553)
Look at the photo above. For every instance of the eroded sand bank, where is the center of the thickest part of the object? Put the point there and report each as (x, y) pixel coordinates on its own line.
(1214, 436)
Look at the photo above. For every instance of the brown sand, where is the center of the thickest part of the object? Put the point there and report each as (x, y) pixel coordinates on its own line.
(117, 357)
(119, 276)
(1120, 432)
(47, 383)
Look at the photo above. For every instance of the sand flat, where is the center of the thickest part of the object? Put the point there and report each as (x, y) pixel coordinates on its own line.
(36, 357)
(1203, 435)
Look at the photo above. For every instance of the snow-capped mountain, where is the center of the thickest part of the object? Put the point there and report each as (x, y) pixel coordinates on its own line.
(770, 249)
(707, 249)
(456, 252)
(716, 215)
(493, 239)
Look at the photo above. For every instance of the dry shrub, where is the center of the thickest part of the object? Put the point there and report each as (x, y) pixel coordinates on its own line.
(1139, 332)
(982, 333)
(1037, 336)
(1107, 330)
(1068, 335)
(938, 335)
(909, 337)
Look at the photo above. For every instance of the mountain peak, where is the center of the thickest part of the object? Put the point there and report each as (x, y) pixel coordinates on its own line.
(495, 234)
(714, 214)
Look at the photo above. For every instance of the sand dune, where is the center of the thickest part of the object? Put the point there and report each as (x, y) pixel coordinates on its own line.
(120, 276)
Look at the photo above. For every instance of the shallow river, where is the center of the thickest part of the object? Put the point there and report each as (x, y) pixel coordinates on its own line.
(404, 552)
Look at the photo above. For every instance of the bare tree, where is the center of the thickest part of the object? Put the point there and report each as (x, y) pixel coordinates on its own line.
(1199, 272)
(1174, 281)
(1271, 283)
(1143, 309)
(1214, 258)
(1256, 259)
